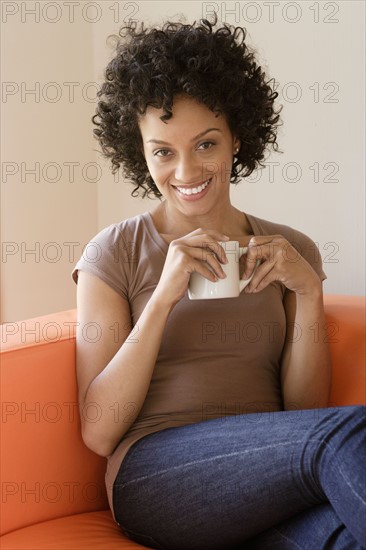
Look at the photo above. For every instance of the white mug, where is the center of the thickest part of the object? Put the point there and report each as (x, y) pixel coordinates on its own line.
(201, 288)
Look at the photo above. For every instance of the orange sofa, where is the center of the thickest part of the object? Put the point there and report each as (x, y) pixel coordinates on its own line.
(53, 493)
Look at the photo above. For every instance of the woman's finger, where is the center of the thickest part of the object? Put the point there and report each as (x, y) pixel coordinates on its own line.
(208, 244)
(204, 260)
(203, 241)
(265, 239)
(263, 276)
(269, 252)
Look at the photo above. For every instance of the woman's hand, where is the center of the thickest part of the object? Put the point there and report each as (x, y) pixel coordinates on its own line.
(282, 262)
(195, 251)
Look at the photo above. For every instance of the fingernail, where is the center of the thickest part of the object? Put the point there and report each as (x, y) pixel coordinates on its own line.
(226, 237)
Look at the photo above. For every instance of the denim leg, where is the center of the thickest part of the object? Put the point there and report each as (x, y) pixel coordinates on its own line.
(318, 528)
(216, 484)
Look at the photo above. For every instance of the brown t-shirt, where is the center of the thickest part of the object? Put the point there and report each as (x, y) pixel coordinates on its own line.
(217, 357)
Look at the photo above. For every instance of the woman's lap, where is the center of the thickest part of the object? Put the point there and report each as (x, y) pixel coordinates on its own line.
(218, 483)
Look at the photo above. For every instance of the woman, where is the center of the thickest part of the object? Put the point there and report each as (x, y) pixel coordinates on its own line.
(212, 413)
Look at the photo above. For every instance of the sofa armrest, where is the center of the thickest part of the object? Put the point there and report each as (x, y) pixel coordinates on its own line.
(345, 317)
(47, 471)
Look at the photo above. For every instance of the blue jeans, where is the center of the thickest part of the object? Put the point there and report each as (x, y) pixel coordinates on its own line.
(271, 480)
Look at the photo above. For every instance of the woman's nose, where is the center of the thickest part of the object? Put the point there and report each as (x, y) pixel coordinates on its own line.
(188, 170)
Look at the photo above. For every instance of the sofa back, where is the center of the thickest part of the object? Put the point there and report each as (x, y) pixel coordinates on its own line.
(47, 471)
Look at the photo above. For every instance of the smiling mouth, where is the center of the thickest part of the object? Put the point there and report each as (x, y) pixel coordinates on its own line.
(194, 190)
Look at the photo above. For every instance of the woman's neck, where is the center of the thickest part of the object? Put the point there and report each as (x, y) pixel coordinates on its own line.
(228, 220)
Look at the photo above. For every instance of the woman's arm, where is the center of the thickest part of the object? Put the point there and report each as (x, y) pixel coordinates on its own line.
(114, 364)
(305, 362)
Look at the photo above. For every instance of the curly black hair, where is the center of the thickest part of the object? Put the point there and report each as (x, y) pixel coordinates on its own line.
(215, 67)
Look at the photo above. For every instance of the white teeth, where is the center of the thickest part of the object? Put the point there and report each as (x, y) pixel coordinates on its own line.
(193, 190)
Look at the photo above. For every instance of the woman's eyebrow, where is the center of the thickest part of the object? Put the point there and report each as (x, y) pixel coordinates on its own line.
(193, 139)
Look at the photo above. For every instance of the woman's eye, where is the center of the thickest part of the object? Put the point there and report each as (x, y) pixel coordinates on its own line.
(206, 145)
(161, 153)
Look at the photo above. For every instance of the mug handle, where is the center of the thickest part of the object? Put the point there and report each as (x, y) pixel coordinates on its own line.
(244, 282)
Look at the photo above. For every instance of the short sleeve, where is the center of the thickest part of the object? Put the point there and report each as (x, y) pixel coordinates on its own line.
(310, 251)
(106, 256)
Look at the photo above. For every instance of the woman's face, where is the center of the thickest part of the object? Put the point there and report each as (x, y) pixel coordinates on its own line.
(189, 156)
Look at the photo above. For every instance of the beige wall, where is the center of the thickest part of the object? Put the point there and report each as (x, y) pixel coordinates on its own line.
(42, 212)
(317, 185)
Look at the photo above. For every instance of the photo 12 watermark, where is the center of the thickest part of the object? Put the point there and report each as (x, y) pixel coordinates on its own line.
(273, 12)
(37, 492)
(52, 252)
(72, 12)
(75, 172)
(294, 172)
(51, 332)
(69, 412)
(267, 332)
(50, 92)
(53, 92)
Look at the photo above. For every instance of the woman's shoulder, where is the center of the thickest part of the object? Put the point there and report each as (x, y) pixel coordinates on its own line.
(111, 253)
(262, 226)
(123, 230)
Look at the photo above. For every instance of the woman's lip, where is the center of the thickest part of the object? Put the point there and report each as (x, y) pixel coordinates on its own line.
(193, 196)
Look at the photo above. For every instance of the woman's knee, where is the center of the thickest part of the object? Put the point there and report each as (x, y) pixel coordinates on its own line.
(357, 412)
(318, 527)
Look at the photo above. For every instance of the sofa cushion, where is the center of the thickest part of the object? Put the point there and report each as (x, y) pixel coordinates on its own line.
(89, 531)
